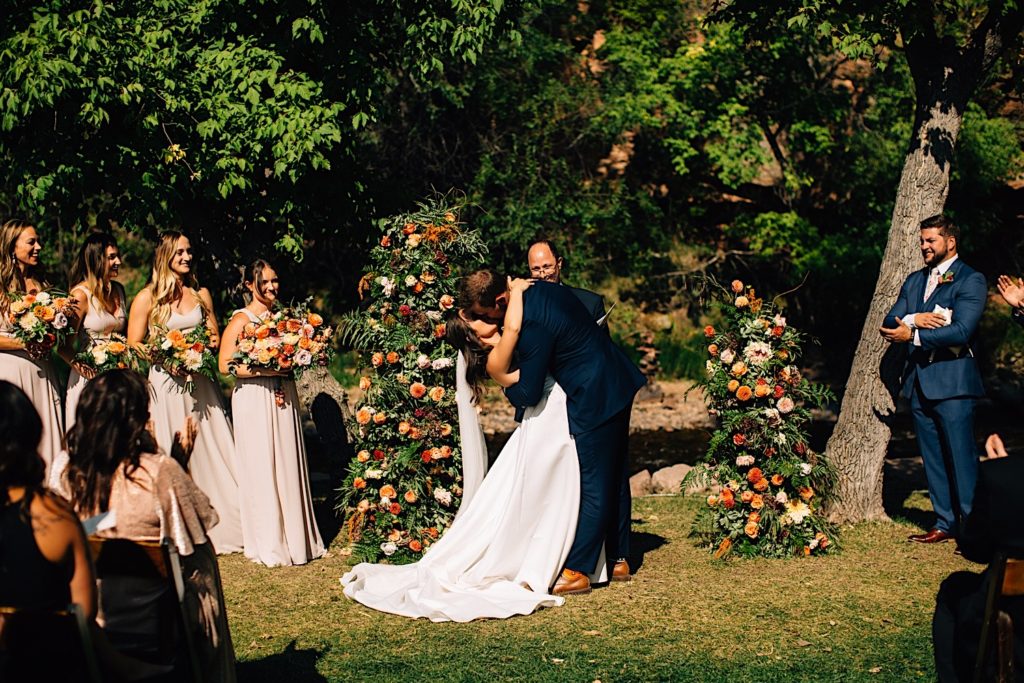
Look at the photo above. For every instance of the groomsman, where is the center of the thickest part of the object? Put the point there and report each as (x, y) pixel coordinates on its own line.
(936, 317)
(546, 264)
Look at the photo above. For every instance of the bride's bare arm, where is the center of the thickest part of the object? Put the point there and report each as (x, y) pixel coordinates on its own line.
(500, 358)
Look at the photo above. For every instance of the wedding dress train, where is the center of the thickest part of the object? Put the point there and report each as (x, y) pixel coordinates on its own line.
(508, 543)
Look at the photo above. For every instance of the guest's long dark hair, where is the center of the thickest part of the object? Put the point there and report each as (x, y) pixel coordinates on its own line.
(251, 274)
(462, 337)
(21, 430)
(109, 433)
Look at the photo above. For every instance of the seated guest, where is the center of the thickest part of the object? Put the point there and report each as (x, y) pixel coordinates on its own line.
(114, 466)
(44, 557)
(994, 524)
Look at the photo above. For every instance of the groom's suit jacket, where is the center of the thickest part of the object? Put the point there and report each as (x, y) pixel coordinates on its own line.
(559, 337)
(944, 363)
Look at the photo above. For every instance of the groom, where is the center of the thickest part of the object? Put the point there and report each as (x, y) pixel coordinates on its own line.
(559, 337)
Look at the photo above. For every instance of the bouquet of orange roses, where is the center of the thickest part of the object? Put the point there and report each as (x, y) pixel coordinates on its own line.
(185, 354)
(290, 340)
(40, 320)
(112, 353)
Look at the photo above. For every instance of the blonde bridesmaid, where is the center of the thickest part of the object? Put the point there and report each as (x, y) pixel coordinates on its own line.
(277, 509)
(174, 300)
(30, 369)
(102, 310)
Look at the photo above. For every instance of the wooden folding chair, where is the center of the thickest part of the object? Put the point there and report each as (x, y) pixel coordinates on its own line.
(120, 557)
(29, 638)
(1006, 581)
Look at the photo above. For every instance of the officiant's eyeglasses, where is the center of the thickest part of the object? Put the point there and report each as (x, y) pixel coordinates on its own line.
(542, 270)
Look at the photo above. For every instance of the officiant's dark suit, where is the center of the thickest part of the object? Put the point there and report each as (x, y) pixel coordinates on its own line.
(994, 523)
(942, 381)
(559, 337)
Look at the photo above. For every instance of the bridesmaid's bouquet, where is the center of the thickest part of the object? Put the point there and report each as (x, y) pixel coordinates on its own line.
(40, 320)
(185, 354)
(113, 353)
(290, 340)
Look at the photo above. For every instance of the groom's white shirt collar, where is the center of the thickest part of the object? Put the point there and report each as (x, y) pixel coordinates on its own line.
(944, 266)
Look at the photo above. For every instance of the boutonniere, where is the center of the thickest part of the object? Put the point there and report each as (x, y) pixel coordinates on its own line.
(946, 278)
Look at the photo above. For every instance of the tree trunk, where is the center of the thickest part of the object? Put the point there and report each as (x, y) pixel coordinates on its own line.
(861, 437)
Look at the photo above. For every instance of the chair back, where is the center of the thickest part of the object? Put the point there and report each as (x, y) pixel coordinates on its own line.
(123, 558)
(29, 638)
(1005, 580)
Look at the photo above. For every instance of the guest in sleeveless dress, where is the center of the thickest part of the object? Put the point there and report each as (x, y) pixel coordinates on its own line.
(113, 466)
(28, 368)
(277, 509)
(174, 300)
(101, 309)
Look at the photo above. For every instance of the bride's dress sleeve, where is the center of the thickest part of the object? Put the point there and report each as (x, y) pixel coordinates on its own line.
(471, 435)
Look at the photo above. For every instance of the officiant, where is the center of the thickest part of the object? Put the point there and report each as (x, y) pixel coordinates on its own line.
(936, 319)
(546, 264)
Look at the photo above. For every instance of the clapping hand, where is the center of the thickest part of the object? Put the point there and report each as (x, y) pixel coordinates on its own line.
(1011, 291)
(994, 447)
(184, 441)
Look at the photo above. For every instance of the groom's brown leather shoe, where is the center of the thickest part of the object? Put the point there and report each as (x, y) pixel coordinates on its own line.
(620, 572)
(933, 536)
(571, 583)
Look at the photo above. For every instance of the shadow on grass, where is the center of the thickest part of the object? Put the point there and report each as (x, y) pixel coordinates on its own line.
(293, 665)
(642, 543)
(902, 477)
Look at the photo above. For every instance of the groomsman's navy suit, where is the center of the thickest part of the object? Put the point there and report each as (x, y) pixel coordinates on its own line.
(941, 379)
(559, 338)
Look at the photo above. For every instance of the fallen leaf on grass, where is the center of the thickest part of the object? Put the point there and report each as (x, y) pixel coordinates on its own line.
(875, 670)
(591, 633)
(555, 660)
(802, 643)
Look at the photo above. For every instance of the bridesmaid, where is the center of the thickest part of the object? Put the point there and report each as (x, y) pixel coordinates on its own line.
(30, 369)
(102, 309)
(277, 509)
(174, 300)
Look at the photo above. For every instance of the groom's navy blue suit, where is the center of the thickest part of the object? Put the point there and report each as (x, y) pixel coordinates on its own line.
(942, 380)
(559, 338)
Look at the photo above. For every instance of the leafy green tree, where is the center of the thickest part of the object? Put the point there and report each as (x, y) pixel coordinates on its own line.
(950, 48)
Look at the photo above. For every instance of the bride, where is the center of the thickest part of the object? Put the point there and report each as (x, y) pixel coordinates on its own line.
(510, 539)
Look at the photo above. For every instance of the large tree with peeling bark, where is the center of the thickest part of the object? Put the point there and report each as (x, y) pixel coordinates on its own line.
(951, 48)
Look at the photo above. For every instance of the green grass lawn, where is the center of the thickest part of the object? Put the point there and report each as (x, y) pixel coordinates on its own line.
(864, 614)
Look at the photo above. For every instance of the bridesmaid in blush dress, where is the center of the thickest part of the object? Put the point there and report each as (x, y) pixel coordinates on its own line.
(277, 508)
(101, 307)
(30, 369)
(174, 300)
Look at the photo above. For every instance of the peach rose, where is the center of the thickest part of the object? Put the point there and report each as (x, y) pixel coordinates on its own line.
(446, 302)
(359, 483)
(376, 359)
(364, 383)
(754, 517)
(743, 393)
(439, 331)
(446, 429)
(761, 485)
(392, 357)
(761, 390)
(388, 491)
(417, 288)
(415, 434)
(385, 241)
(363, 456)
(777, 479)
(410, 496)
(742, 302)
(747, 496)
(395, 535)
(380, 418)
(116, 347)
(737, 286)
(806, 492)
(363, 416)
(436, 394)
(415, 546)
(713, 350)
(751, 529)
(739, 368)
(755, 475)
(403, 427)
(733, 385)
(417, 389)
(712, 501)
(757, 502)
(709, 331)
(446, 451)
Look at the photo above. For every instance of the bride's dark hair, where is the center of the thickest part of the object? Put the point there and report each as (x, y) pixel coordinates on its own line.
(462, 337)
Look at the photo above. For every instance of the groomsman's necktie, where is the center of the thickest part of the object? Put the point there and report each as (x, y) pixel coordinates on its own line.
(933, 282)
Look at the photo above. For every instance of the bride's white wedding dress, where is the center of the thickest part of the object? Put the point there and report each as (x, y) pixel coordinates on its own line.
(509, 540)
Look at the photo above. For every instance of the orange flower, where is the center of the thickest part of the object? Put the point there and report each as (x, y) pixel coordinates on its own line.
(415, 546)
(293, 325)
(415, 434)
(436, 394)
(385, 241)
(432, 532)
(754, 517)
(446, 429)
(314, 319)
(761, 485)
(446, 302)
(822, 540)
(262, 332)
(742, 302)
(737, 286)
(409, 228)
(388, 491)
(709, 331)
(747, 496)
(723, 548)
(410, 496)
(712, 501)
(363, 506)
(727, 499)
(116, 347)
(176, 338)
(392, 357)
(363, 416)
(777, 479)
(757, 502)
(743, 393)
(807, 551)
(733, 385)
(439, 331)
(364, 383)
(363, 456)
(806, 492)
(739, 368)
(782, 353)
(359, 483)
(761, 390)
(755, 475)
(713, 350)
(376, 359)
(395, 508)
(417, 390)
(418, 287)
(380, 418)
(751, 529)
(403, 427)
